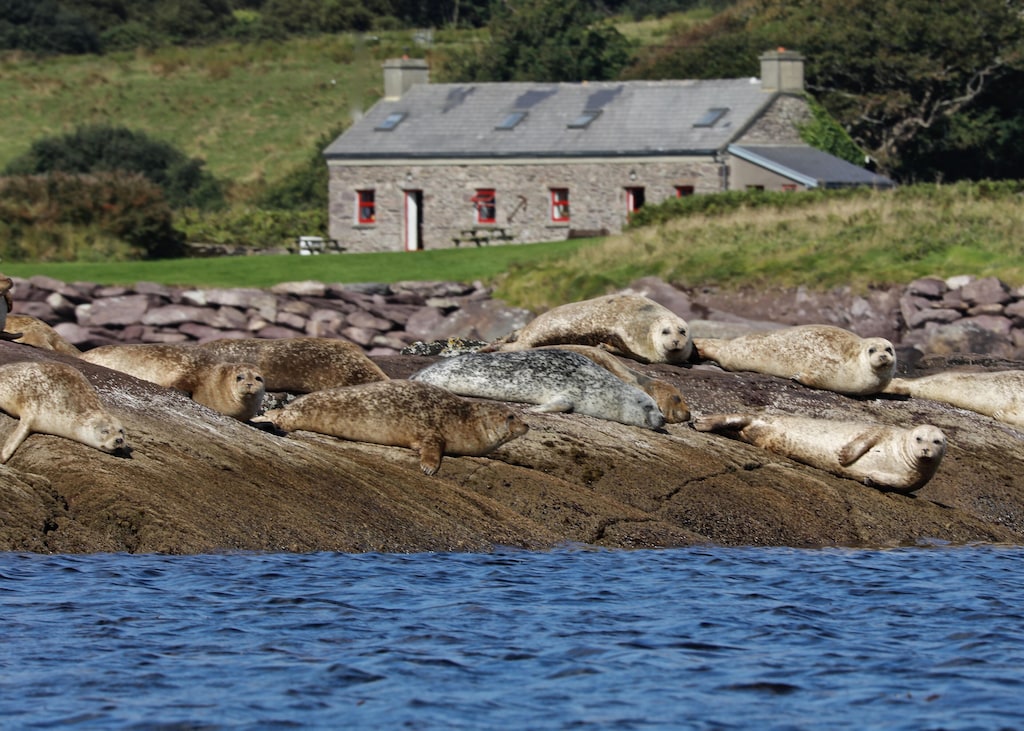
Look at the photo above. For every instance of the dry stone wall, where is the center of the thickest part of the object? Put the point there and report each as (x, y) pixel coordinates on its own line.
(931, 316)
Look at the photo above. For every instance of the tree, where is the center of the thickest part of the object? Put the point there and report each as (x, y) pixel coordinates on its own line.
(101, 148)
(895, 74)
(544, 40)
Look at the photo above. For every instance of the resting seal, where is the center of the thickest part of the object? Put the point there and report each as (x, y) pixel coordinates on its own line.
(33, 331)
(233, 389)
(625, 324)
(874, 454)
(403, 413)
(299, 365)
(669, 399)
(817, 356)
(55, 398)
(999, 394)
(556, 380)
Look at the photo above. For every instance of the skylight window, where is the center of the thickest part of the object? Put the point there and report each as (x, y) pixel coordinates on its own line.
(711, 117)
(511, 120)
(391, 121)
(583, 121)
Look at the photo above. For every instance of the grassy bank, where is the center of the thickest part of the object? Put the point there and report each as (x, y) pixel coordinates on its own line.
(463, 265)
(870, 239)
(864, 240)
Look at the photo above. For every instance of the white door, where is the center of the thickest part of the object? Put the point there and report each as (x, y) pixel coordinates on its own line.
(413, 229)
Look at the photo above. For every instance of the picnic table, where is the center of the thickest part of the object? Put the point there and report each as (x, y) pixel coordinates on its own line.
(318, 245)
(480, 235)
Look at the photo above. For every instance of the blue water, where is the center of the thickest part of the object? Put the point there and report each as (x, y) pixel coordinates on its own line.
(700, 638)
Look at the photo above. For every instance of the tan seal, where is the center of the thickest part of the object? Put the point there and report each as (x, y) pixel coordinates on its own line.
(897, 458)
(403, 413)
(233, 389)
(668, 398)
(817, 356)
(626, 324)
(300, 365)
(55, 398)
(999, 394)
(555, 380)
(37, 333)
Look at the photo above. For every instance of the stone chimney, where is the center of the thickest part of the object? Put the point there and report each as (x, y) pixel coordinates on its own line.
(401, 73)
(782, 70)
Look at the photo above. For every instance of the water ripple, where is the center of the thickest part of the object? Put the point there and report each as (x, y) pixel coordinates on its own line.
(699, 638)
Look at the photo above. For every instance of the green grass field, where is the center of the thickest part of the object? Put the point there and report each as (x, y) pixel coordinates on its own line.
(461, 265)
(872, 239)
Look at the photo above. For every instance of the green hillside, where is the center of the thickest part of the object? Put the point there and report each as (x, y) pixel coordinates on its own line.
(252, 111)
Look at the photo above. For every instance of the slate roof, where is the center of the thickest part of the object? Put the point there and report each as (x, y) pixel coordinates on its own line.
(637, 118)
(809, 166)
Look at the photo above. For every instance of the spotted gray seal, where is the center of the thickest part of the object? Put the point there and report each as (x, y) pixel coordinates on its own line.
(555, 380)
(897, 458)
(999, 394)
(402, 413)
(55, 398)
(626, 324)
(669, 399)
(301, 364)
(817, 356)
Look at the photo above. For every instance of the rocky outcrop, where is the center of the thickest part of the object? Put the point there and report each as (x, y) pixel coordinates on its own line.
(197, 481)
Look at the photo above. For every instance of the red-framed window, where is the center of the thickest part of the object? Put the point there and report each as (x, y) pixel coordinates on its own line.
(683, 191)
(634, 199)
(486, 207)
(366, 207)
(560, 205)
(789, 187)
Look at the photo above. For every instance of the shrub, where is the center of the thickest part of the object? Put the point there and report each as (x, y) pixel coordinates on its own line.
(103, 148)
(66, 217)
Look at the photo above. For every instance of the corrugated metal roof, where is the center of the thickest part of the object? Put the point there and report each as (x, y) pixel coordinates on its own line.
(809, 166)
(636, 118)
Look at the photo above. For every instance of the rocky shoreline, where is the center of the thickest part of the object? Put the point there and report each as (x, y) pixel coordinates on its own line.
(196, 481)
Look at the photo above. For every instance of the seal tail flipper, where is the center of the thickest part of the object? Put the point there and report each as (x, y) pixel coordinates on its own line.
(268, 416)
(722, 422)
(898, 386)
(14, 441)
(706, 348)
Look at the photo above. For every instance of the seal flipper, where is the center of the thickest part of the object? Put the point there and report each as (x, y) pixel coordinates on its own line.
(852, 451)
(559, 404)
(431, 450)
(14, 441)
(722, 422)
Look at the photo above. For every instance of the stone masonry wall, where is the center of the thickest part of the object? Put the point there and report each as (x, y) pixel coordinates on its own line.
(929, 316)
(522, 191)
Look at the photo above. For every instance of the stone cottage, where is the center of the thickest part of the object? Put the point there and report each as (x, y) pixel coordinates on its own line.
(439, 165)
